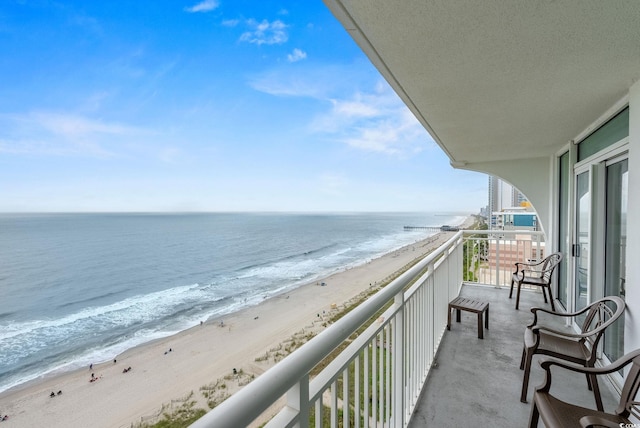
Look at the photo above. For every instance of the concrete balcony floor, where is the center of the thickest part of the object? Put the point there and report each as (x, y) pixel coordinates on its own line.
(477, 382)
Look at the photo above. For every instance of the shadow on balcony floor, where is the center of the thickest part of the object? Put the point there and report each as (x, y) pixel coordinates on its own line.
(477, 382)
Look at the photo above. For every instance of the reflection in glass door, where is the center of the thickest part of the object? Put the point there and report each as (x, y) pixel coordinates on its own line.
(615, 250)
(581, 246)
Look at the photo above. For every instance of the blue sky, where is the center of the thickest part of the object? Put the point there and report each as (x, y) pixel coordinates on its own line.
(215, 105)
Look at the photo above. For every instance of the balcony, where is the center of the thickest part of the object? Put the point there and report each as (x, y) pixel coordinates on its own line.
(477, 382)
(398, 366)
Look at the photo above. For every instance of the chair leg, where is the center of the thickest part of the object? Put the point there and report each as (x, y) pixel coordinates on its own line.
(525, 380)
(544, 294)
(596, 392)
(486, 318)
(553, 308)
(518, 295)
(511, 292)
(588, 382)
(524, 355)
(534, 416)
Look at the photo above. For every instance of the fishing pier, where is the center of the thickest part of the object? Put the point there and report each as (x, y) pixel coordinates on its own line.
(444, 228)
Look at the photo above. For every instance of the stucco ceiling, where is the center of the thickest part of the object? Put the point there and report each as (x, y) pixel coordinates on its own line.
(500, 80)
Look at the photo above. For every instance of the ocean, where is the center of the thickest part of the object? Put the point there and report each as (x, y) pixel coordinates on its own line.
(77, 289)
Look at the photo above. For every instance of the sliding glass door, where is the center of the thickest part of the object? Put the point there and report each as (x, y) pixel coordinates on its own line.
(617, 187)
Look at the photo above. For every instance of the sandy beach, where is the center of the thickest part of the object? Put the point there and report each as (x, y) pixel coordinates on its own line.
(171, 368)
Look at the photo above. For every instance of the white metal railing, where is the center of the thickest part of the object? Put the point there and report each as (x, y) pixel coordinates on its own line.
(377, 379)
(489, 256)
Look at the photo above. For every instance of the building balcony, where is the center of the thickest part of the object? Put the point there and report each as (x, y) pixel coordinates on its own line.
(477, 382)
(397, 364)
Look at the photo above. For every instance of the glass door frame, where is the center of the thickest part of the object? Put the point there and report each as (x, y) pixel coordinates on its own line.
(596, 166)
(576, 249)
(614, 235)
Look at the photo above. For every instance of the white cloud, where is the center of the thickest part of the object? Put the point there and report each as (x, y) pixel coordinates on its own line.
(296, 55)
(294, 84)
(48, 133)
(203, 6)
(72, 126)
(373, 119)
(376, 121)
(394, 131)
(230, 22)
(307, 80)
(354, 108)
(265, 32)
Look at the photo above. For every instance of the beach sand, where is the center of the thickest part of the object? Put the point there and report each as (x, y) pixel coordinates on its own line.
(199, 356)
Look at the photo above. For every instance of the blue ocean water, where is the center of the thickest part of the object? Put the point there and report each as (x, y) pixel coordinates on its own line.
(80, 288)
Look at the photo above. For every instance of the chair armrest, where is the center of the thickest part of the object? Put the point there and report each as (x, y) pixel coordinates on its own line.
(593, 421)
(558, 314)
(519, 269)
(522, 273)
(531, 264)
(535, 311)
(611, 368)
(545, 329)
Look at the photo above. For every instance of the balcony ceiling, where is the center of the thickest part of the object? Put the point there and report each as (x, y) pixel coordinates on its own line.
(500, 80)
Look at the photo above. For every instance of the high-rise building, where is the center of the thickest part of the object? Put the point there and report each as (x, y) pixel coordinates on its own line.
(508, 207)
(503, 196)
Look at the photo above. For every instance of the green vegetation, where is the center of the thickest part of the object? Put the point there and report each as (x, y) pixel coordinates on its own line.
(474, 251)
(181, 417)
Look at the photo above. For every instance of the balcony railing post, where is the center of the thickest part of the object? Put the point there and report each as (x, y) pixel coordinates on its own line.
(498, 261)
(298, 399)
(398, 363)
(432, 295)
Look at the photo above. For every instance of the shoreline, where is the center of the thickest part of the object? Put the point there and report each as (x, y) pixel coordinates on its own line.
(167, 369)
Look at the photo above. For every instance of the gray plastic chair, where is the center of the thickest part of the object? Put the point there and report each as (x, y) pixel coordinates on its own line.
(556, 413)
(579, 348)
(538, 274)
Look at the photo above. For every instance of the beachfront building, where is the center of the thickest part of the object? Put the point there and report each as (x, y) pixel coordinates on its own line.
(514, 219)
(505, 197)
(544, 95)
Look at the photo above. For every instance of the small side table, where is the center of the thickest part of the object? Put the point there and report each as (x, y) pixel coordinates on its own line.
(464, 304)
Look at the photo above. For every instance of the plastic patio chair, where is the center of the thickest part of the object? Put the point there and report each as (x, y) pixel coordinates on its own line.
(556, 413)
(579, 348)
(538, 274)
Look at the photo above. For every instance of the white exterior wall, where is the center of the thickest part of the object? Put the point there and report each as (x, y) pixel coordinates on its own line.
(632, 316)
(531, 176)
